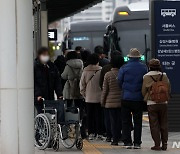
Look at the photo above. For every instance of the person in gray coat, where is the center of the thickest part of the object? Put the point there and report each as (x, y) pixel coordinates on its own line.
(71, 92)
(72, 74)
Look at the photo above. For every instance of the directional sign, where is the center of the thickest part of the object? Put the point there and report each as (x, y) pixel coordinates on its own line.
(167, 39)
(52, 34)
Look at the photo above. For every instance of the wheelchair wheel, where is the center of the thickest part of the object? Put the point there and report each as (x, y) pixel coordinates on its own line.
(70, 134)
(55, 145)
(42, 131)
(79, 144)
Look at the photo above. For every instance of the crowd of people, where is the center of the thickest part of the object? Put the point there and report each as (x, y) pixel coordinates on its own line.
(111, 94)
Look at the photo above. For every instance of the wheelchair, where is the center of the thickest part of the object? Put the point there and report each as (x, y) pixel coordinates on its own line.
(49, 132)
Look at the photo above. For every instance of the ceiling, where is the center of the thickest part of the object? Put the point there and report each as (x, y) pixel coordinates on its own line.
(58, 9)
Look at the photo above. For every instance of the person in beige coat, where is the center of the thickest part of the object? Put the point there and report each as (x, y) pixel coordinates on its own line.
(90, 90)
(111, 98)
(157, 111)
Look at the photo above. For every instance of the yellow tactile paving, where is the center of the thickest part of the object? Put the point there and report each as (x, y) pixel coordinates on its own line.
(102, 146)
(90, 148)
(145, 118)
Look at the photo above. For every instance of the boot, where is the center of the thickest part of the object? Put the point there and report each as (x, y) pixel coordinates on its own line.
(164, 147)
(156, 148)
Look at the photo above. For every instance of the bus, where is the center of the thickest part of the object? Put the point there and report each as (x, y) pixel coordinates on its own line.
(129, 29)
(87, 34)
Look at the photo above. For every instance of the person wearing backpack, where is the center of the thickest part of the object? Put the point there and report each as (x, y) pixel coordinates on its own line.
(72, 74)
(90, 90)
(156, 92)
(71, 92)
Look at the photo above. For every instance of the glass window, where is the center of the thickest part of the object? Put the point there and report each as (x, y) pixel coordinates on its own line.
(132, 35)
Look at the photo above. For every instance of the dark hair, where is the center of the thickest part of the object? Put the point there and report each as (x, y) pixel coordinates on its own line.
(93, 59)
(78, 48)
(99, 50)
(115, 53)
(72, 55)
(85, 54)
(43, 50)
(155, 69)
(65, 49)
(117, 61)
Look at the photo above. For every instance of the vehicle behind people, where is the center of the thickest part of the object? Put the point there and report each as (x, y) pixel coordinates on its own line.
(89, 36)
(130, 28)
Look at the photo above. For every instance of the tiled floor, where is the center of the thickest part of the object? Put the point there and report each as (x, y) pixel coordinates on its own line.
(101, 147)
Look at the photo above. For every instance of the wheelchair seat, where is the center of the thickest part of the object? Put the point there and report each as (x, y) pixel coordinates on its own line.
(58, 106)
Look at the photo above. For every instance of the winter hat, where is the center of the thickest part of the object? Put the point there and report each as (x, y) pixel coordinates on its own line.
(134, 53)
(154, 63)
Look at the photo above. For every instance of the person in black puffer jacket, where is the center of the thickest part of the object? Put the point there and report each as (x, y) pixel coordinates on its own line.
(46, 79)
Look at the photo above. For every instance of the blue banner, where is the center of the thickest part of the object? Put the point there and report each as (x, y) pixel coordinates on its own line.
(167, 39)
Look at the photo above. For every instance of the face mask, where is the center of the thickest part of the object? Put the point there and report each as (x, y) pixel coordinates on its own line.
(44, 59)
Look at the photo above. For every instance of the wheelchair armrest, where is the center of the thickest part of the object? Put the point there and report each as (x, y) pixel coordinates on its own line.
(50, 109)
(73, 110)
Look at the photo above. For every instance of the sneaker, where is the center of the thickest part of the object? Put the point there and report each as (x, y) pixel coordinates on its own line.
(137, 146)
(108, 139)
(128, 146)
(114, 143)
(91, 137)
(156, 148)
(99, 137)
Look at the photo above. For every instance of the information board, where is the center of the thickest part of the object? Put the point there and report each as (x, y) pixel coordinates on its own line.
(167, 39)
(52, 34)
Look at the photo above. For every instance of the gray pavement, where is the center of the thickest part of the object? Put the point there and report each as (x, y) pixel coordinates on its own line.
(101, 147)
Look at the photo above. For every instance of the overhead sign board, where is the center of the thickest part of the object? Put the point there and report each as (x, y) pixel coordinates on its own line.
(52, 34)
(166, 23)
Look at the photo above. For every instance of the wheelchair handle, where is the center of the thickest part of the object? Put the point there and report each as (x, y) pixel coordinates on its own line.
(43, 99)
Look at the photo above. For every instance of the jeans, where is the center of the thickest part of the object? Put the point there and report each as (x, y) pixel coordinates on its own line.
(134, 108)
(115, 123)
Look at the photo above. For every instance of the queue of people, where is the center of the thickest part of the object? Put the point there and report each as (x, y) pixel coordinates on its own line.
(110, 94)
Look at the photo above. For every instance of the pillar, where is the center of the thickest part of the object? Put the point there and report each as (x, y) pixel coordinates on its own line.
(44, 28)
(16, 77)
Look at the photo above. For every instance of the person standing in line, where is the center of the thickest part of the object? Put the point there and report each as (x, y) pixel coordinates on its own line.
(90, 90)
(99, 50)
(104, 70)
(130, 80)
(46, 79)
(84, 56)
(111, 98)
(157, 109)
(72, 74)
(78, 50)
(71, 92)
(60, 63)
